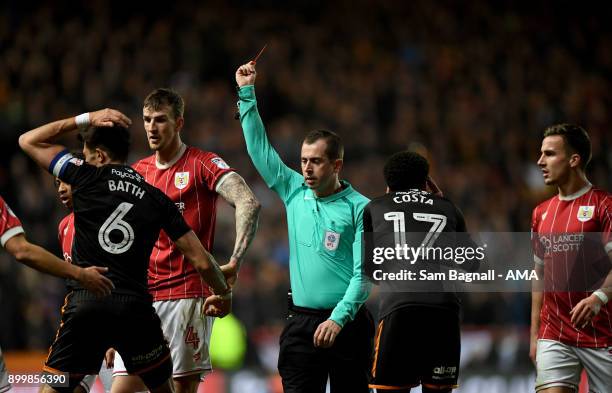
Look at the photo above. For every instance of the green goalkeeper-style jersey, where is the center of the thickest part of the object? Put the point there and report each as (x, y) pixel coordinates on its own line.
(325, 234)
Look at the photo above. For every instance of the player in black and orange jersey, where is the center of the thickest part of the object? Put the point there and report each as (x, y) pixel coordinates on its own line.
(418, 337)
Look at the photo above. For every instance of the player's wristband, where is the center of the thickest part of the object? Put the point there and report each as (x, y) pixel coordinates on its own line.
(601, 295)
(82, 121)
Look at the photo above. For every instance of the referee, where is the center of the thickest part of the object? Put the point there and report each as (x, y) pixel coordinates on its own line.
(329, 331)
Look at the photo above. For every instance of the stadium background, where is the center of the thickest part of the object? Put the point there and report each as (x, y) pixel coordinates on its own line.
(472, 83)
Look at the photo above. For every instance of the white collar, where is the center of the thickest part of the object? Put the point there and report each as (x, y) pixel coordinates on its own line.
(174, 159)
(577, 194)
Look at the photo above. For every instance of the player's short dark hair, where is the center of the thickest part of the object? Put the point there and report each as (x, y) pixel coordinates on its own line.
(334, 149)
(115, 141)
(77, 154)
(576, 140)
(406, 170)
(161, 97)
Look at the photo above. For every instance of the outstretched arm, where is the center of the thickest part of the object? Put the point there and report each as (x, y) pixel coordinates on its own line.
(40, 144)
(42, 260)
(278, 176)
(238, 194)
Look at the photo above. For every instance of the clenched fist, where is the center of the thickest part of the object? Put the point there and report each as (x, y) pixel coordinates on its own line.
(246, 74)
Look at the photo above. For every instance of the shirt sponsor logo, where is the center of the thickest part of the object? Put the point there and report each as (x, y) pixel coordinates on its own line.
(218, 161)
(331, 241)
(127, 174)
(585, 213)
(181, 180)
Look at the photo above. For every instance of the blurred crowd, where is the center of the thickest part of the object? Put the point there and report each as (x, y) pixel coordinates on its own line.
(470, 84)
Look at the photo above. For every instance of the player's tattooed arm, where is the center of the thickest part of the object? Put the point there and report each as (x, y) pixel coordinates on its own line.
(238, 194)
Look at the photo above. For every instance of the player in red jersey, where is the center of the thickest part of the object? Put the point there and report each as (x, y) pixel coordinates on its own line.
(13, 239)
(571, 328)
(193, 179)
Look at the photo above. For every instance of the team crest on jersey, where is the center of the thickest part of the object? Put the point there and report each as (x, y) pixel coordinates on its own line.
(544, 215)
(181, 180)
(332, 239)
(76, 161)
(218, 161)
(585, 213)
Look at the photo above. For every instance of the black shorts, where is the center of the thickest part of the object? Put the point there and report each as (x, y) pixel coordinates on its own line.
(417, 345)
(305, 368)
(90, 326)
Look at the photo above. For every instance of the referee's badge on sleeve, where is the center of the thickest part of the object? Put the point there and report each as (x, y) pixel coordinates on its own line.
(585, 213)
(331, 241)
(181, 180)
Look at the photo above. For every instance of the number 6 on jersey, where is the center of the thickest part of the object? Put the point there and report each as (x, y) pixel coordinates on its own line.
(115, 222)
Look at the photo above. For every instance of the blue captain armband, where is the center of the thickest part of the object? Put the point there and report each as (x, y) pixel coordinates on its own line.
(59, 162)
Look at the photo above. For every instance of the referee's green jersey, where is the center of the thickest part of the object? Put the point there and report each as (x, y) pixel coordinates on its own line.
(325, 234)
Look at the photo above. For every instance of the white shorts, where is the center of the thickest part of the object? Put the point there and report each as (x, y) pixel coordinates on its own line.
(106, 377)
(188, 334)
(87, 382)
(560, 364)
(4, 383)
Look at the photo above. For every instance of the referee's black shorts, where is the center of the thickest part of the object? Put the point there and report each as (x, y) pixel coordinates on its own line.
(305, 369)
(90, 326)
(417, 345)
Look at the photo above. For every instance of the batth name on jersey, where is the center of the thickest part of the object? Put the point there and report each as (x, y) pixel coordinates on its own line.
(125, 186)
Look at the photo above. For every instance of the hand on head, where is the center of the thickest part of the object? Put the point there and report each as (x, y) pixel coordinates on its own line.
(109, 118)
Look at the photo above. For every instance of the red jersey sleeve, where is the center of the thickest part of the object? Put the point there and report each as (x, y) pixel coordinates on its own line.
(9, 223)
(212, 168)
(536, 244)
(605, 217)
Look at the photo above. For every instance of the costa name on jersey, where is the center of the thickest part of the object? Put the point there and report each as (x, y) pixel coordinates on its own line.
(413, 196)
